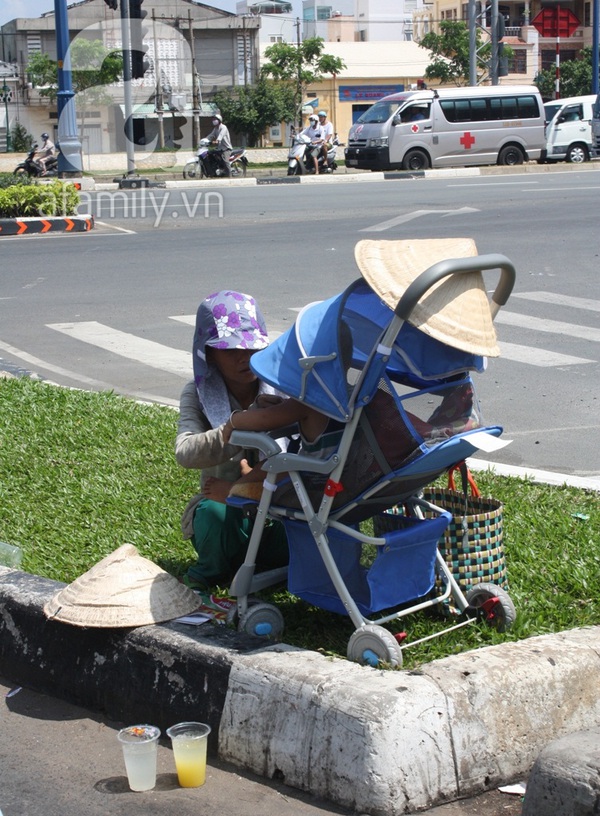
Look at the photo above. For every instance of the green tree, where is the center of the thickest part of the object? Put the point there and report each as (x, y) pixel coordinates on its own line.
(252, 108)
(93, 66)
(450, 49)
(20, 138)
(300, 65)
(575, 77)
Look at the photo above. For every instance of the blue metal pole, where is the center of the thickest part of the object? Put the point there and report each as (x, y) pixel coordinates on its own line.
(595, 43)
(69, 159)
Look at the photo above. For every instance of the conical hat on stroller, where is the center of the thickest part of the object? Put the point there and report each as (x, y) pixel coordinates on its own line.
(123, 589)
(455, 311)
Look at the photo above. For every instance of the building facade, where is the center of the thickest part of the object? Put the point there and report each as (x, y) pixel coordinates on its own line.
(193, 50)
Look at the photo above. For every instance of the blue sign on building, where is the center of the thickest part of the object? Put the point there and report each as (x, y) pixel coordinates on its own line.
(366, 93)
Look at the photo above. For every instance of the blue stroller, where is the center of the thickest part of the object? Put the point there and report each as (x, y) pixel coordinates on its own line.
(373, 359)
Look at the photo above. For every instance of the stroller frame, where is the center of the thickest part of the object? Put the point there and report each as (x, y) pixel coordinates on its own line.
(371, 643)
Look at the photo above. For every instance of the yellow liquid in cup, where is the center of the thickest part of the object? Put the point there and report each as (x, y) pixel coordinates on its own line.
(190, 761)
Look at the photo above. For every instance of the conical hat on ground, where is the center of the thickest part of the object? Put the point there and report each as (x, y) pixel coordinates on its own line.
(124, 589)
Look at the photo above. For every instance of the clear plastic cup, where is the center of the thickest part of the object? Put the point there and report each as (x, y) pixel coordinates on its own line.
(140, 746)
(10, 556)
(189, 750)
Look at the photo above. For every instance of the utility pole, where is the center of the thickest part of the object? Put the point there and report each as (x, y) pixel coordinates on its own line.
(195, 95)
(127, 87)
(595, 44)
(158, 98)
(299, 86)
(472, 43)
(494, 58)
(69, 157)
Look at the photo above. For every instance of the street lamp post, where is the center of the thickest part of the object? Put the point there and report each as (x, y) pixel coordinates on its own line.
(5, 91)
(69, 158)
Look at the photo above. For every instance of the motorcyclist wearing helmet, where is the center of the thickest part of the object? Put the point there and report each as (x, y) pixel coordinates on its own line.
(314, 133)
(219, 136)
(327, 133)
(45, 152)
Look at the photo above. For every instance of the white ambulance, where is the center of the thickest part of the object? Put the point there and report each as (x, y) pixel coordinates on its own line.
(449, 127)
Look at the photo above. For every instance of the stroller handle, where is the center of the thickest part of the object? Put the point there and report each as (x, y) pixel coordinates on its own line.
(453, 266)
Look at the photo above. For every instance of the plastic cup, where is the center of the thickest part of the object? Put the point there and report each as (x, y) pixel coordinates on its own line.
(140, 746)
(189, 749)
(10, 556)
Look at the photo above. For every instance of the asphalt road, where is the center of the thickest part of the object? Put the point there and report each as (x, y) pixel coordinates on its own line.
(113, 308)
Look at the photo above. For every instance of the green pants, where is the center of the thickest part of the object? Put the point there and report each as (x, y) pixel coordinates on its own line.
(221, 538)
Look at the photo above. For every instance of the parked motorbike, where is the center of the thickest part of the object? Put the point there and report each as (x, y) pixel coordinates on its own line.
(300, 160)
(33, 168)
(209, 163)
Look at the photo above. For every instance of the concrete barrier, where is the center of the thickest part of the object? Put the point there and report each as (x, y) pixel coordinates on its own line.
(382, 742)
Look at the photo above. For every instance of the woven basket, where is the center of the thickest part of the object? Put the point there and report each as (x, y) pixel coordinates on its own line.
(472, 544)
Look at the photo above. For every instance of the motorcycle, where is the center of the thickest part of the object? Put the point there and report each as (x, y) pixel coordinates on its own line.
(209, 163)
(300, 160)
(33, 168)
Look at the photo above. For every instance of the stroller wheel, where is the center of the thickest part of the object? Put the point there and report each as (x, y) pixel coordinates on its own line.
(262, 619)
(372, 645)
(492, 604)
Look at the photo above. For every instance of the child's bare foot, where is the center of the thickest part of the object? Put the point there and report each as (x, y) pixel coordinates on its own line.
(216, 489)
(245, 468)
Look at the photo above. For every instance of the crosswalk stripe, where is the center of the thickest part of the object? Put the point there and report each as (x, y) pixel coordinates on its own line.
(539, 324)
(148, 352)
(538, 357)
(559, 300)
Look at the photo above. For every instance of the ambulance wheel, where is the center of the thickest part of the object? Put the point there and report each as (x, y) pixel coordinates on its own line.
(415, 160)
(577, 154)
(510, 155)
(372, 645)
(263, 620)
(493, 605)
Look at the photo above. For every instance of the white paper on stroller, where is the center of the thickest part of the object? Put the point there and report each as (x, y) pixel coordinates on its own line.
(486, 441)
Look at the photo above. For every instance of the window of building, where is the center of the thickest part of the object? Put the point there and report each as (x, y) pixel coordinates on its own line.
(587, 14)
(517, 64)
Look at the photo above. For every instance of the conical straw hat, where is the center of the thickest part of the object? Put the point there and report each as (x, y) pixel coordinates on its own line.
(455, 311)
(123, 589)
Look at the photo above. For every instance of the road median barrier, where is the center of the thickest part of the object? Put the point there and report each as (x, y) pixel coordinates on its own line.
(44, 224)
(381, 742)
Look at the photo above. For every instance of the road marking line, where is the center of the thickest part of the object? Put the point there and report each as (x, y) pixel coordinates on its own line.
(118, 229)
(538, 357)
(560, 300)
(147, 352)
(402, 219)
(549, 326)
(99, 385)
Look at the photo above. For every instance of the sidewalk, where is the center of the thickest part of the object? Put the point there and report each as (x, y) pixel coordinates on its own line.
(78, 771)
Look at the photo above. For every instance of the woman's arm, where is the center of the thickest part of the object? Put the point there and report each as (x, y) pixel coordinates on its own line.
(197, 445)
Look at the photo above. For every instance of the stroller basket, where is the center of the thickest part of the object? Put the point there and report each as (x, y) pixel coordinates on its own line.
(403, 569)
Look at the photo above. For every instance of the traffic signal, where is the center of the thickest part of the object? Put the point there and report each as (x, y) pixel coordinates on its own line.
(137, 32)
(112, 4)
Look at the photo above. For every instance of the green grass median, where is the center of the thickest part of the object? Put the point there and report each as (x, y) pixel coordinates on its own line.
(83, 472)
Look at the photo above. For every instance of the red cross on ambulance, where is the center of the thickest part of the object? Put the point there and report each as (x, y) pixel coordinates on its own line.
(467, 140)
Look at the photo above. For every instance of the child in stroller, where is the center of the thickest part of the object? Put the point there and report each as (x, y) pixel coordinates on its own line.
(402, 398)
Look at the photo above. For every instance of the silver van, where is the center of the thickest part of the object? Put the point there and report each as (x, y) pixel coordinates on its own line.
(449, 127)
(569, 129)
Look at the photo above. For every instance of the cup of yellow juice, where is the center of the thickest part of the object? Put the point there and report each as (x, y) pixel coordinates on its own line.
(189, 741)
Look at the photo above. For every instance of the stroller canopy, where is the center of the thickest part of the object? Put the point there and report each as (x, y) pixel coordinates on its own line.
(320, 359)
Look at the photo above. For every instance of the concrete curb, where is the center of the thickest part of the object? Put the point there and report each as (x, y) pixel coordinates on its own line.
(42, 225)
(365, 177)
(380, 742)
